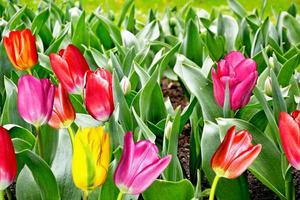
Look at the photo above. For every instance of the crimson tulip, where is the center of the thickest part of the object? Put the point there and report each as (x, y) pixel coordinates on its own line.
(139, 166)
(98, 94)
(289, 129)
(21, 49)
(63, 113)
(241, 75)
(8, 162)
(70, 67)
(35, 99)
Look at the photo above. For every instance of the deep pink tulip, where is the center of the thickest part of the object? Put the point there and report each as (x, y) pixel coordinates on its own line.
(240, 73)
(8, 162)
(289, 129)
(98, 94)
(35, 99)
(70, 66)
(139, 166)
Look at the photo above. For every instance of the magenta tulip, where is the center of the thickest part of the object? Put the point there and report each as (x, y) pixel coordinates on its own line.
(139, 166)
(8, 162)
(35, 99)
(241, 75)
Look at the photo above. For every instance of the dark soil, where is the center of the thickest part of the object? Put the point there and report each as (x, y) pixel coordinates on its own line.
(258, 191)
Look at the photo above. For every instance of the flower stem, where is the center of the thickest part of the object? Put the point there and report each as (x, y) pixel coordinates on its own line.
(214, 187)
(120, 196)
(1, 194)
(29, 71)
(85, 195)
(289, 186)
(71, 134)
(39, 142)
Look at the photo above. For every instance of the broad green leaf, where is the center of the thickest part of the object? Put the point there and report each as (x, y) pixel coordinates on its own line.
(293, 27)
(169, 190)
(39, 21)
(288, 70)
(80, 36)
(125, 9)
(237, 8)
(36, 181)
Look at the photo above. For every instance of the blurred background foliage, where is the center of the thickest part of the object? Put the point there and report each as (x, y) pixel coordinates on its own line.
(143, 6)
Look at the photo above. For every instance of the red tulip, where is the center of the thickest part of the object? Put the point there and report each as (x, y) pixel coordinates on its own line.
(63, 113)
(8, 162)
(235, 154)
(289, 129)
(70, 66)
(241, 75)
(21, 49)
(98, 94)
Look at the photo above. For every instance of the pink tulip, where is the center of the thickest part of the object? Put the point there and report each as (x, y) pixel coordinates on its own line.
(289, 129)
(139, 166)
(35, 99)
(240, 73)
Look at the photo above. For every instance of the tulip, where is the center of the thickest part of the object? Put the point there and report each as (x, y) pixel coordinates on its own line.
(35, 99)
(91, 158)
(21, 49)
(98, 94)
(139, 166)
(289, 129)
(234, 155)
(8, 162)
(70, 67)
(125, 85)
(63, 113)
(241, 75)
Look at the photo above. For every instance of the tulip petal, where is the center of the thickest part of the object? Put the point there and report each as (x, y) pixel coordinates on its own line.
(219, 89)
(9, 47)
(290, 138)
(243, 161)
(144, 179)
(234, 58)
(245, 68)
(125, 164)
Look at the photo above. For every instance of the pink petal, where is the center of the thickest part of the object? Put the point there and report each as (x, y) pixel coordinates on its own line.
(219, 89)
(234, 58)
(245, 68)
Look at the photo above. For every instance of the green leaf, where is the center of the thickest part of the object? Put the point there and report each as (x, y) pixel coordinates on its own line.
(199, 86)
(237, 8)
(125, 8)
(39, 21)
(80, 36)
(49, 141)
(62, 168)
(43, 178)
(192, 45)
(56, 43)
(180, 190)
(228, 189)
(293, 27)
(267, 166)
(215, 45)
(288, 70)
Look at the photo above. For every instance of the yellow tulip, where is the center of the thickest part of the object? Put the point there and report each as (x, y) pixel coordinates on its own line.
(90, 158)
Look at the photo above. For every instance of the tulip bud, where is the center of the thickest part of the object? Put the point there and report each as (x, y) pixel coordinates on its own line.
(21, 49)
(235, 154)
(8, 162)
(168, 130)
(35, 99)
(139, 166)
(125, 85)
(70, 67)
(289, 129)
(63, 113)
(240, 73)
(90, 158)
(268, 86)
(98, 96)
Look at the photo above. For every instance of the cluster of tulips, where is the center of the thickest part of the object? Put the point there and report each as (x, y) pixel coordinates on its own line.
(41, 102)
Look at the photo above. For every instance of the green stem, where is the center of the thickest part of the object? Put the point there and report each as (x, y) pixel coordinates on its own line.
(214, 187)
(71, 134)
(120, 196)
(8, 194)
(289, 186)
(1, 194)
(39, 142)
(85, 195)
(29, 71)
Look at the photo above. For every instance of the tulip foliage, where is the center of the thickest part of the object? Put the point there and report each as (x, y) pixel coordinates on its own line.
(83, 113)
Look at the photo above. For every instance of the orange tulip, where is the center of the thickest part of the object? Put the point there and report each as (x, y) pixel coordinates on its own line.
(21, 49)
